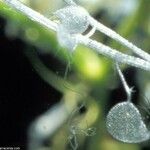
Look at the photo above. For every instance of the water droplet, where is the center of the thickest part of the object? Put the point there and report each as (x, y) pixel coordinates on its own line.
(124, 122)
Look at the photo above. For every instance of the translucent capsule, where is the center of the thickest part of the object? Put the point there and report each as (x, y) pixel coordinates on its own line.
(65, 39)
(124, 123)
(73, 18)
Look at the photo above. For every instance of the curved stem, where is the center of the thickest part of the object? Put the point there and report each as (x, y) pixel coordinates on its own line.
(47, 75)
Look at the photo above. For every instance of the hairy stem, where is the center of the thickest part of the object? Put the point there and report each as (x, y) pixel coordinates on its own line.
(100, 48)
(120, 39)
(33, 15)
(114, 54)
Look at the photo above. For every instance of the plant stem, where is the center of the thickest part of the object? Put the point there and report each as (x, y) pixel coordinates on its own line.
(107, 31)
(114, 54)
(100, 48)
(33, 15)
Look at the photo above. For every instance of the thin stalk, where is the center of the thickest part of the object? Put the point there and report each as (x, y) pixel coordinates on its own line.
(125, 84)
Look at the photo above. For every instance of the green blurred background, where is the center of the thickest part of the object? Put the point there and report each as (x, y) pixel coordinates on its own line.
(38, 73)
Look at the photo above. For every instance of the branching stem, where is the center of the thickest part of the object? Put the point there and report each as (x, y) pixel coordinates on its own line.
(100, 48)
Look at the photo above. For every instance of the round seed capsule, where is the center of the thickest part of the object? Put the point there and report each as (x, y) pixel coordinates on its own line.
(73, 18)
(124, 123)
